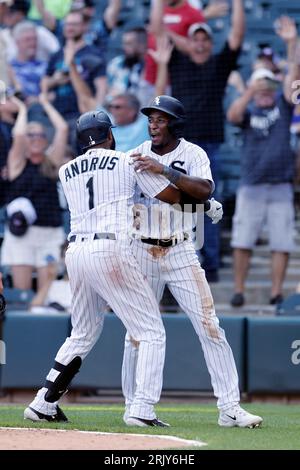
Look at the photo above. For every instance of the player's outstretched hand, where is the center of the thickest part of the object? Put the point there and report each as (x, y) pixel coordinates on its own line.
(145, 163)
(215, 212)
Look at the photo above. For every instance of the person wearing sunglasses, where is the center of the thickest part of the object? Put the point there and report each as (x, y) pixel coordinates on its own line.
(32, 167)
(131, 126)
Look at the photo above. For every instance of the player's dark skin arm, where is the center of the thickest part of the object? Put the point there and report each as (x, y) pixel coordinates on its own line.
(197, 189)
(171, 194)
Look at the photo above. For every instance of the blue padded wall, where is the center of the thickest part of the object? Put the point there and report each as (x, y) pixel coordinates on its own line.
(273, 364)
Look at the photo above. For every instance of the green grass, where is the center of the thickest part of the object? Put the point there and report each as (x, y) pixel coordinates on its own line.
(280, 430)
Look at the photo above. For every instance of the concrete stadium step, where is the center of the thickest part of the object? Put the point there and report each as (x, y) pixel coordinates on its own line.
(256, 293)
(226, 234)
(260, 261)
(264, 251)
(257, 273)
(246, 310)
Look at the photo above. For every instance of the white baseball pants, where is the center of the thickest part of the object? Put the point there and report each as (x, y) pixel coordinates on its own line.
(179, 268)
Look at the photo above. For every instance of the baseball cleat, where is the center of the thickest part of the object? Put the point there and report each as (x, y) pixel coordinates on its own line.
(238, 417)
(143, 423)
(33, 415)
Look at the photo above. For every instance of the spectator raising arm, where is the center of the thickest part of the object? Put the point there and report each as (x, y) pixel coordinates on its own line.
(287, 31)
(162, 57)
(156, 17)
(85, 99)
(237, 110)
(111, 13)
(56, 151)
(16, 157)
(215, 10)
(101, 89)
(57, 79)
(48, 18)
(237, 31)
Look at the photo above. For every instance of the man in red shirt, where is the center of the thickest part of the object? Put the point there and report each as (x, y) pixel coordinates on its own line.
(178, 16)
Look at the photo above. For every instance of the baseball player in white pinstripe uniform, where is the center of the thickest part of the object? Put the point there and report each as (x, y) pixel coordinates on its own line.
(167, 256)
(99, 187)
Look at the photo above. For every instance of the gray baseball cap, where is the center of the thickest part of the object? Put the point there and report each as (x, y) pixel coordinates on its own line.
(200, 27)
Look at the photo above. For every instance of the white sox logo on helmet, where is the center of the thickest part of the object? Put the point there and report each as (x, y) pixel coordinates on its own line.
(92, 142)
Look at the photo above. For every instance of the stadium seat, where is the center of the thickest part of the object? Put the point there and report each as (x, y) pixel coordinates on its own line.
(290, 8)
(290, 306)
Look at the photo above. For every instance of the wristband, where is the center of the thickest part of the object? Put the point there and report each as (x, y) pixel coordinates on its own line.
(171, 174)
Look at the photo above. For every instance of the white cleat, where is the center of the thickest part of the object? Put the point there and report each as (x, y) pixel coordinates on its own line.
(144, 423)
(37, 416)
(238, 417)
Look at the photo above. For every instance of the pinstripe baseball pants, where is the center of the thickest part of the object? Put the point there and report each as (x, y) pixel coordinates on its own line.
(179, 268)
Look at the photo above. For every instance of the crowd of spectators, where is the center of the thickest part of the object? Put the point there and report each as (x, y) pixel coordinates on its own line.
(56, 63)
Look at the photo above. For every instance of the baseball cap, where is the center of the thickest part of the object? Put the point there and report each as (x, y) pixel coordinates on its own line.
(263, 73)
(21, 214)
(80, 4)
(17, 224)
(266, 52)
(20, 5)
(200, 27)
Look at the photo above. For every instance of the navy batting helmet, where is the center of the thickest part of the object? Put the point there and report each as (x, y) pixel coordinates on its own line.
(171, 106)
(93, 128)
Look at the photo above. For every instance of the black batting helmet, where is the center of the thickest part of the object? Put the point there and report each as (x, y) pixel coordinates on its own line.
(171, 106)
(93, 128)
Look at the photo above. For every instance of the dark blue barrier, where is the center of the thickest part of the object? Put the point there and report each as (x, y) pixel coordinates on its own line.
(102, 367)
(185, 368)
(31, 341)
(273, 364)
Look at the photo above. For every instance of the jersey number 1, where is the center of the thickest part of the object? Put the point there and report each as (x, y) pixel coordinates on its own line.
(90, 187)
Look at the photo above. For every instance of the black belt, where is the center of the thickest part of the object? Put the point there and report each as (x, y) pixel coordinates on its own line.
(164, 243)
(97, 236)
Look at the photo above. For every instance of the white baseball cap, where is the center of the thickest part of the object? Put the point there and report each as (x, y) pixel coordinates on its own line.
(200, 27)
(24, 205)
(263, 73)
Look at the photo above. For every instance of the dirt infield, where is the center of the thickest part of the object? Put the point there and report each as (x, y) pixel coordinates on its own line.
(53, 439)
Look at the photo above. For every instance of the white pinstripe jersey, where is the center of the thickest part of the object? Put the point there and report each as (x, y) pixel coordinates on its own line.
(99, 187)
(159, 220)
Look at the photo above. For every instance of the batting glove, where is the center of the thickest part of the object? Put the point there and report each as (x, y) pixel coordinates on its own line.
(215, 212)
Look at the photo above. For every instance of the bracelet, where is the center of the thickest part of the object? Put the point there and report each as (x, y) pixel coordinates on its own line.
(171, 174)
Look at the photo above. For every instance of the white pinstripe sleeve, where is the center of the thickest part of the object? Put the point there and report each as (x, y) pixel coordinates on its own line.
(200, 165)
(151, 184)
